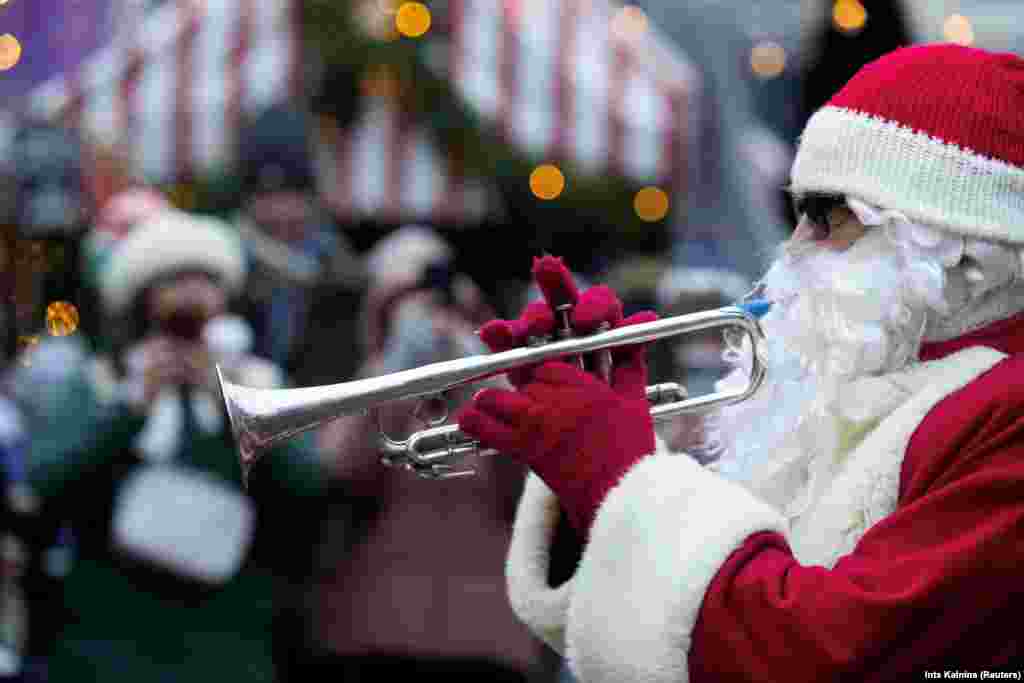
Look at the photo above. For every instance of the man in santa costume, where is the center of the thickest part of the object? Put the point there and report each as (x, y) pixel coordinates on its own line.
(864, 515)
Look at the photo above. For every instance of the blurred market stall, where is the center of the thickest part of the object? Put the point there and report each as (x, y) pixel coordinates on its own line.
(591, 129)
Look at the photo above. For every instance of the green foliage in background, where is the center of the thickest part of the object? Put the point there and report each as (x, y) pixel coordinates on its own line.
(589, 200)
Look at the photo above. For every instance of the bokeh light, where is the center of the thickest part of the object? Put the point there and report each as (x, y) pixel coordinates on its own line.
(767, 60)
(849, 16)
(10, 51)
(957, 29)
(61, 318)
(547, 181)
(651, 204)
(412, 19)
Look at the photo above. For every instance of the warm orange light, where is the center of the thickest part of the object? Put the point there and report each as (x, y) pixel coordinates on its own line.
(547, 181)
(849, 16)
(10, 51)
(957, 29)
(767, 60)
(412, 19)
(61, 318)
(651, 204)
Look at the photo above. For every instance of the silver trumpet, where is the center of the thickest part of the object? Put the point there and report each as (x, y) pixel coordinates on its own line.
(261, 418)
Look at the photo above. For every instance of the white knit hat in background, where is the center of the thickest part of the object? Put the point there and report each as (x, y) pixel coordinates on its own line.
(401, 257)
(123, 259)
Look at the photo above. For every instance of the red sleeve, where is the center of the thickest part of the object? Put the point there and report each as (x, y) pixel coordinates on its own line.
(937, 585)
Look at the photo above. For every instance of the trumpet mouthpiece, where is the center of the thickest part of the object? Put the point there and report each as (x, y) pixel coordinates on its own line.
(756, 307)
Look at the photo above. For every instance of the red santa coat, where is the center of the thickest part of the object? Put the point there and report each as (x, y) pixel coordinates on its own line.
(908, 560)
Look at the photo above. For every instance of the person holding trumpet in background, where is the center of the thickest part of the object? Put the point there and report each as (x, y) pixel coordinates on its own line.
(417, 585)
(863, 518)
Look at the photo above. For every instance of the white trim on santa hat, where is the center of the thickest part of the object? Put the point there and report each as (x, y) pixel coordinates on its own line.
(843, 151)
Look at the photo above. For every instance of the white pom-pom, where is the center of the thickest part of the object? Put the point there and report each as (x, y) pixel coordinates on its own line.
(260, 374)
(228, 335)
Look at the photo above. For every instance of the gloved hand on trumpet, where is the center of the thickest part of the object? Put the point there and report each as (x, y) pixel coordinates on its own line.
(577, 432)
(262, 418)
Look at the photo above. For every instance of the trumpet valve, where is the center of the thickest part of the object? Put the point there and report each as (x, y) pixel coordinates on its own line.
(666, 392)
(435, 472)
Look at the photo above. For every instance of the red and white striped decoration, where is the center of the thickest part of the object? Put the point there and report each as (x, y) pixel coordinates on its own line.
(390, 168)
(172, 90)
(555, 78)
(570, 80)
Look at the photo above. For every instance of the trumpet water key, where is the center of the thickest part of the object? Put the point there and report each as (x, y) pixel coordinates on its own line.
(261, 418)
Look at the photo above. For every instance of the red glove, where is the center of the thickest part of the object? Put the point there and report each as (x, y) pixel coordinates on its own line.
(594, 307)
(575, 432)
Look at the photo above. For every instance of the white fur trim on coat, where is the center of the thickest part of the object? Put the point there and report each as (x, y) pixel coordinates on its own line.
(540, 606)
(657, 542)
(628, 612)
(865, 489)
(664, 532)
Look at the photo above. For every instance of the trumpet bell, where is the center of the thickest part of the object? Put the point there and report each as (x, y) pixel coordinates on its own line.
(261, 418)
(248, 451)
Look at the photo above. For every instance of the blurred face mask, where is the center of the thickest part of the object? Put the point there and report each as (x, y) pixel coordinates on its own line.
(182, 307)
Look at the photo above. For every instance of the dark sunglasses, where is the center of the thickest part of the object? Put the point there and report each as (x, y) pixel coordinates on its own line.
(818, 208)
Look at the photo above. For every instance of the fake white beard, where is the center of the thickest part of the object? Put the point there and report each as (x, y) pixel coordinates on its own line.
(836, 317)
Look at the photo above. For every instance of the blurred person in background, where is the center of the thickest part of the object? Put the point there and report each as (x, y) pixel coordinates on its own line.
(420, 588)
(302, 269)
(178, 574)
(696, 360)
(34, 550)
(47, 208)
(16, 519)
(733, 215)
(834, 51)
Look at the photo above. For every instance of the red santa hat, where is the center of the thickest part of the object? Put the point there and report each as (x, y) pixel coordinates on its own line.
(933, 131)
(128, 207)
